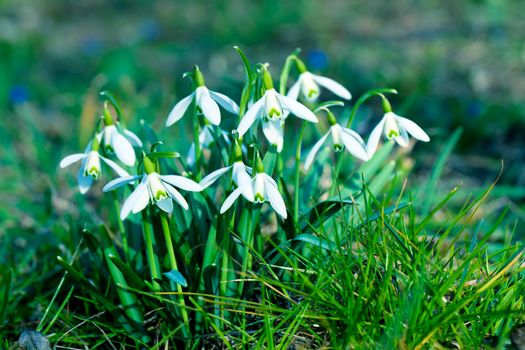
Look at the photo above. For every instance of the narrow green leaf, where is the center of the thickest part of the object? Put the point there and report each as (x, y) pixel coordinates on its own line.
(158, 155)
(5, 298)
(316, 241)
(437, 170)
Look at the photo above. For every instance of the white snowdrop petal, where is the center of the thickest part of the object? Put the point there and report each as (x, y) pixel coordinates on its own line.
(333, 86)
(413, 129)
(373, 139)
(180, 108)
(293, 93)
(134, 139)
(119, 182)
(226, 102)
(242, 179)
(141, 200)
(402, 139)
(117, 168)
(123, 149)
(274, 197)
(166, 204)
(176, 196)
(273, 131)
(72, 158)
(249, 118)
(354, 144)
(213, 176)
(181, 182)
(129, 203)
(310, 158)
(297, 108)
(84, 182)
(190, 158)
(231, 199)
(209, 107)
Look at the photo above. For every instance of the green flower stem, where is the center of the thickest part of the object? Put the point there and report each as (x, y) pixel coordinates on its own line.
(297, 177)
(173, 265)
(363, 98)
(245, 228)
(121, 227)
(198, 150)
(153, 260)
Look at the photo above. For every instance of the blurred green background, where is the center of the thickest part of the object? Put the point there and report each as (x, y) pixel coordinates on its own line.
(454, 63)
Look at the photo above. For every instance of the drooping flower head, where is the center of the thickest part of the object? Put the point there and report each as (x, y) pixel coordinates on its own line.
(261, 188)
(153, 189)
(271, 109)
(117, 140)
(91, 169)
(240, 172)
(307, 85)
(340, 138)
(395, 128)
(206, 101)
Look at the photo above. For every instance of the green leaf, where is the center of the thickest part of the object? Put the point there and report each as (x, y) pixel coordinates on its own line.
(437, 170)
(176, 277)
(316, 241)
(323, 211)
(5, 298)
(247, 66)
(158, 155)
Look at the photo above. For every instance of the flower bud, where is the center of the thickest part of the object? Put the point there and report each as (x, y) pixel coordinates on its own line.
(149, 166)
(386, 105)
(301, 67)
(106, 116)
(198, 78)
(237, 151)
(259, 165)
(267, 80)
(331, 117)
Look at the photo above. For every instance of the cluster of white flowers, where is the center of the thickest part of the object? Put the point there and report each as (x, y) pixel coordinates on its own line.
(271, 109)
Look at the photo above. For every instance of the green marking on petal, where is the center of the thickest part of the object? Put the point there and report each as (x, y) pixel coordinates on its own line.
(93, 171)
(259, 198)
(160, 195)
(338, 148)
(274, 112)
(392, 134)
(312, 93)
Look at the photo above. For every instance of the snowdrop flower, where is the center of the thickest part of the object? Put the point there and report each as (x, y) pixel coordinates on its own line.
(340, 138)
(270, 108)
(262, 188)
(90, 169)
(206, 101)
(153, 188)
(241, 174)
(120, 144)
(308, 85)
(394, 128)
(206, 139)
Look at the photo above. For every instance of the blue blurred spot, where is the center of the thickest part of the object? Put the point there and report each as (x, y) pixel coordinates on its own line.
(316, 60)
(149, 30)
(18, 94)
(474, 109)
(91, 46)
